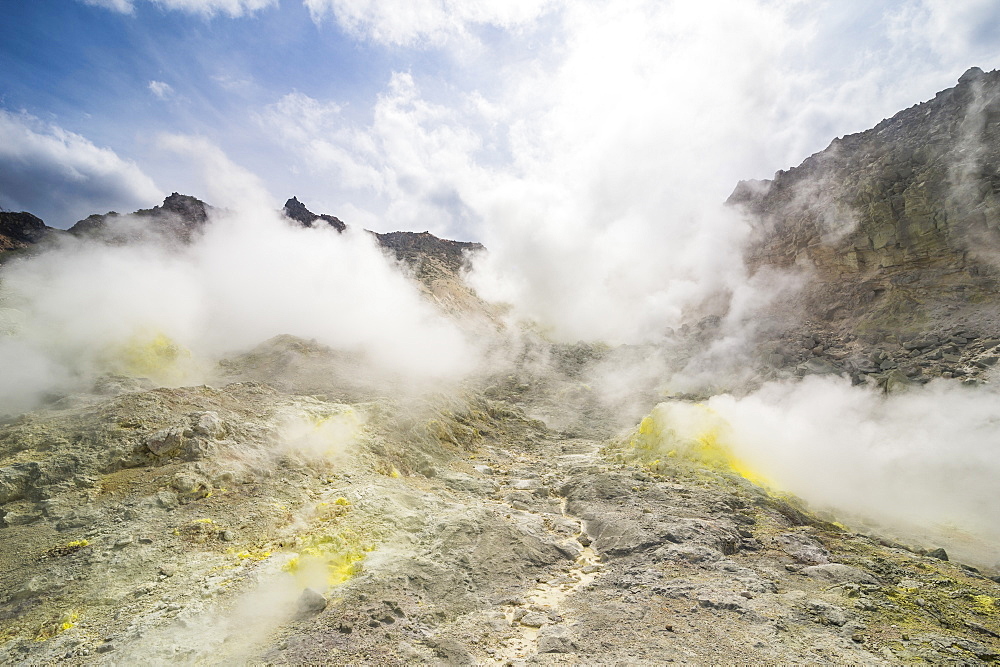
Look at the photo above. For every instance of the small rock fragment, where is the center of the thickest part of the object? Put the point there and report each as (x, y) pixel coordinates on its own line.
(311, 602)
(938, 553)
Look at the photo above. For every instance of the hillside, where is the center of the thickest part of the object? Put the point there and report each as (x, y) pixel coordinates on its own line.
(301, 502)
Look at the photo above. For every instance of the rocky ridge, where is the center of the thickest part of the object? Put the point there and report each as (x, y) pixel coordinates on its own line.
(20, 230)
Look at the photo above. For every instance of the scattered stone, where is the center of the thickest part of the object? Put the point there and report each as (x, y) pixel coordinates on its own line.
(938, 553)
(554, 639)
(803, 548)
(534, 619)
(209, 425)
(167, 499)
(827, 613)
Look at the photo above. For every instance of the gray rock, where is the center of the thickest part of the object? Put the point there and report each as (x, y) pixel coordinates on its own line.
(803, 548)
(554, 639)
(184, 483)
(939, 553)
(167, 499)
(209, 425)
(311, 602)
(827, 613)
(166, 441)
(921, 343)
(838, 573)
(199, 448)
(534, 619)
(20, 518)
(818, 367)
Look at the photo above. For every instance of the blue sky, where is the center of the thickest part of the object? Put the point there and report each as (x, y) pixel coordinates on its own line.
(457, 117)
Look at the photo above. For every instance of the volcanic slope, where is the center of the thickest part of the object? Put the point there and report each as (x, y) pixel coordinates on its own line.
(296, 511)
(201, 525)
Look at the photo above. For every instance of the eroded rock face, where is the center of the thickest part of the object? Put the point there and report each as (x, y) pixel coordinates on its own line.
(900, 223)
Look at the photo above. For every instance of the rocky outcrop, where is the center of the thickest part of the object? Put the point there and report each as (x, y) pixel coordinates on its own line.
(180, 217)
(21, 230)
(899, 226)
(297, 211)
(417, 247)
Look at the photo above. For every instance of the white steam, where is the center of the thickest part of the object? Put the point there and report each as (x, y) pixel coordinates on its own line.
(924, 463)
(87, 307)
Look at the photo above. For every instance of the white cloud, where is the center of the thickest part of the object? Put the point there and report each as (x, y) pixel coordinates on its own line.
(596, 163)
(409, 22)
(225, 183)
(61, 176)
(599, 175)
(415, 156)
(162, 90)
(954, 31)
(206, 8)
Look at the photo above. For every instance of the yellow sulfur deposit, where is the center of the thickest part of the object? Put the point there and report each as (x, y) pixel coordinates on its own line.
(328, 559)
(985, 604)
(323, 435)
(152, 355)
(690, 431)
(65, 622)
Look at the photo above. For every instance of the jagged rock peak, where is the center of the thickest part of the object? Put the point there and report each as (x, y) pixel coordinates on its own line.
(297, 211)
(971, 74)
(188, 207)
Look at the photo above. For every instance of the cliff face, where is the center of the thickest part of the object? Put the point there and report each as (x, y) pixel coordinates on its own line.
(899, 225)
